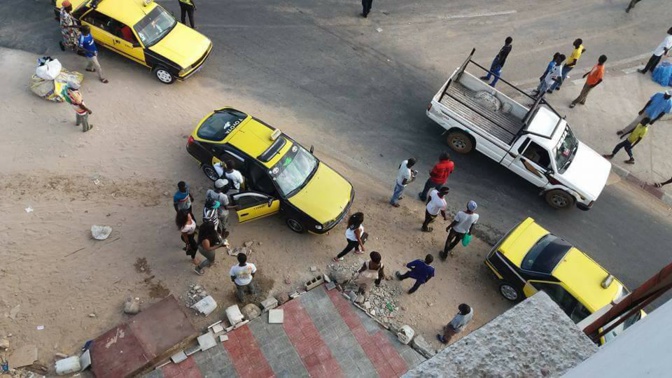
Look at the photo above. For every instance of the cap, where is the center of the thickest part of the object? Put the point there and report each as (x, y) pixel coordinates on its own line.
(73, 85)
(219, 184)
(66, 4)
(471, 205)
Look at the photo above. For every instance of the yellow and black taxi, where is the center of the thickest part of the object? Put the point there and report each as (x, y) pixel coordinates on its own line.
(146, 33)
(529, 258)
(280, 174)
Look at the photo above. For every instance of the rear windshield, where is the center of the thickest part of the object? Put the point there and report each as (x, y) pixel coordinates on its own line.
(220, 124)
(546, 254)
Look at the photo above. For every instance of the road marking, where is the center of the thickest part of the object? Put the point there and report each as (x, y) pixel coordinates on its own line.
(475, 15)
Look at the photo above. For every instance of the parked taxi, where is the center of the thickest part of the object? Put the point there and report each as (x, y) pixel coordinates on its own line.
(146, 33)
(281, 176)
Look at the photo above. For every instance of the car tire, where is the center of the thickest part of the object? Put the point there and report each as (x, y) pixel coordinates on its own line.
(295, 225)
(559, 199)
(460, 142)
(163, 75)
(509, 292)
(210, 172)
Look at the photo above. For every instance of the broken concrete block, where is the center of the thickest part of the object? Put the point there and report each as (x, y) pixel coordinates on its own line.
(326, 278)
(132, 306)
(352, 296)
(294, 295)
(313, 269)
(282, 298)
(241, 324)
(205, 306)
(68, 365)
(405, 334)
(315, 282)
(223, 338)
(330, 286)
(192, 350)
(276, 316)
(269, 304)
(178, 357)
(206, 341)
(367, 305)
(234, 315)
(217, 329)
(251, 311)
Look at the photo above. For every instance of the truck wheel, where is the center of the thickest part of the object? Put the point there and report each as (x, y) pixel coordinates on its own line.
(161, 73)
(460, 142)
(559, 199)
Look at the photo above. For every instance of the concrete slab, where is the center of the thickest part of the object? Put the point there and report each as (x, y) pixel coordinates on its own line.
(206, 341)
(276, 316)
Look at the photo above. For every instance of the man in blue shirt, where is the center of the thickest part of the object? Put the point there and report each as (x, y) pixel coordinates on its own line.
(659, 105)
(420, 270)
(88, 46)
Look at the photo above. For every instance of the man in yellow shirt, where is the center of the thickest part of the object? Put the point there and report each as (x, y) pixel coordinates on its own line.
(635, 136)
(570, 63)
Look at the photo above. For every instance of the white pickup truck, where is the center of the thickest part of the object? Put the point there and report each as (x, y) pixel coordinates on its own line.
(532, 141)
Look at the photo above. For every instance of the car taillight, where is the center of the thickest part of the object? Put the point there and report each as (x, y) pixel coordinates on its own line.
(190, 140)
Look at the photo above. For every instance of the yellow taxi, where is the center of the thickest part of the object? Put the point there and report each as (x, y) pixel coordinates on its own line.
(280, 174)
(144, 32)
(529, 258)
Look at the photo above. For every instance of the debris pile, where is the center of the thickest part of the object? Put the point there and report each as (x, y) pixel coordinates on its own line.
(195, 294)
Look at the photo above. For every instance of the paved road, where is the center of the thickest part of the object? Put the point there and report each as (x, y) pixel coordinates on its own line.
(365, 84)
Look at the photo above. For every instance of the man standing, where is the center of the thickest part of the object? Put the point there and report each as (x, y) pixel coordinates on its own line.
(405, 176)
(242, 275)
(635, 137)
(438, 175)
(187, 8)
(554, 74)
(658, 53)
(658, 105)
(74, 97)
(366, 7)
(182, 199)
(571, 63)
(87, 44)
(459, 322)
(420, 270)
(498, 62)
(593, 79)
(436, 204)
(234, 176)
(462, 224)
(223, 209)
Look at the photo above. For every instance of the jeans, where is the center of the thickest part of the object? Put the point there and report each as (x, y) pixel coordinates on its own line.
(495, 70)
(396, 194)
(188, 10)
(558, 84)
(366, 7)
(209, 258)
(453, 238)
(429, 218)
(429, 184)
(251, 288)
(352, 244)
(83, 119)
(92, 63)
(624, 144)
(542, 88)
(416, 285)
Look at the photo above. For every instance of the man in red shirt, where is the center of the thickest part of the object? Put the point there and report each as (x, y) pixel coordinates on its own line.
(438, 175)
(593, 78)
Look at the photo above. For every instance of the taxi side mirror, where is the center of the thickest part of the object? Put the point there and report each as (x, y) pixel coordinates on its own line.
(312, 149)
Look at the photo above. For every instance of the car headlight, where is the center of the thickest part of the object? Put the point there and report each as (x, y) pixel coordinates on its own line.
(318, 227)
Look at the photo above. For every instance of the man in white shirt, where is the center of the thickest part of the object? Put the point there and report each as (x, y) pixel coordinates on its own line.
(242, 275)
(436, 203)
(462, 224)
(234, 176)
(658, 53)
(405, 176)
(224, 202)
(459, 322)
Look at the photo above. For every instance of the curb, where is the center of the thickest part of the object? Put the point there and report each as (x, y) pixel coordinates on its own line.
(656, 192)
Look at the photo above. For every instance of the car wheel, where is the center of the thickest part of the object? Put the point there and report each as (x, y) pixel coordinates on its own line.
(509, 292)
(163, 75)
(559, 199)
(210, 172)
(295, 225)
(460, 142)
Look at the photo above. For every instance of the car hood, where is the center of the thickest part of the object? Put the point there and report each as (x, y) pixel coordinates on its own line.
(588, 172)
(325, 196)
(182, 45)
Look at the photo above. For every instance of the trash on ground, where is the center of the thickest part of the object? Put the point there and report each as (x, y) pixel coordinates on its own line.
(101, 232)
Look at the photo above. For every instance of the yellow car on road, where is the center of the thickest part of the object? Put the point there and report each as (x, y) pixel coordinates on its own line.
(529, 258)
(144, 32)
(281, 176)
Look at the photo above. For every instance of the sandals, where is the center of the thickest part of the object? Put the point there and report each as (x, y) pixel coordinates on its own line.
(199, 271)
(104, 81)
(90, 70)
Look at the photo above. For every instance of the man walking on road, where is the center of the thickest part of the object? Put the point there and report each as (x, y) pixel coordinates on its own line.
(405, 176)
(242, 275)
(87, 44)
(498, 62)
(593, 79)
(658, 105)
(459, 322)
(635, 137)
(366, 7)
(187, 8)
(438, 175)
(462, 224)
(658, 53)
(74, 97)
(420, 270)
(553, 74)
(436, 204)
(571, 63)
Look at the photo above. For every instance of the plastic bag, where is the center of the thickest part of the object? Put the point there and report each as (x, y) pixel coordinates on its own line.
(466, 239)
(49, 70)
(663, 74)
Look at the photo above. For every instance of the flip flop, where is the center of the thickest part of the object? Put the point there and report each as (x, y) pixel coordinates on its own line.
(91, 70)
(104, 81)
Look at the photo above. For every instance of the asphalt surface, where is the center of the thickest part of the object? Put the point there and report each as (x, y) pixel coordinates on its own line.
(365, 84)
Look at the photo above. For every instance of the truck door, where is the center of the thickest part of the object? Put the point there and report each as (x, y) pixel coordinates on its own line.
(530, 161)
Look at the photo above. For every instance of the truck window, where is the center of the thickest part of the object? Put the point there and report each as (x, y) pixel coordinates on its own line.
(538, 155)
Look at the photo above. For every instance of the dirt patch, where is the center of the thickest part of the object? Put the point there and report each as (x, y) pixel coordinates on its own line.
(142, 266)
(158, 290)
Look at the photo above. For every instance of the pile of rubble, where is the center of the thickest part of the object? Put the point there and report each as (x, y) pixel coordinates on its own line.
(195, 294)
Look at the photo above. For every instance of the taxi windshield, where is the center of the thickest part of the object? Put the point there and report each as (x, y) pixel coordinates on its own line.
(546, 254)
(293, 170)
(154, 26)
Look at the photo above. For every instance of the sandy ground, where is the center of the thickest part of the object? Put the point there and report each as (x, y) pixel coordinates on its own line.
(123, 174)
